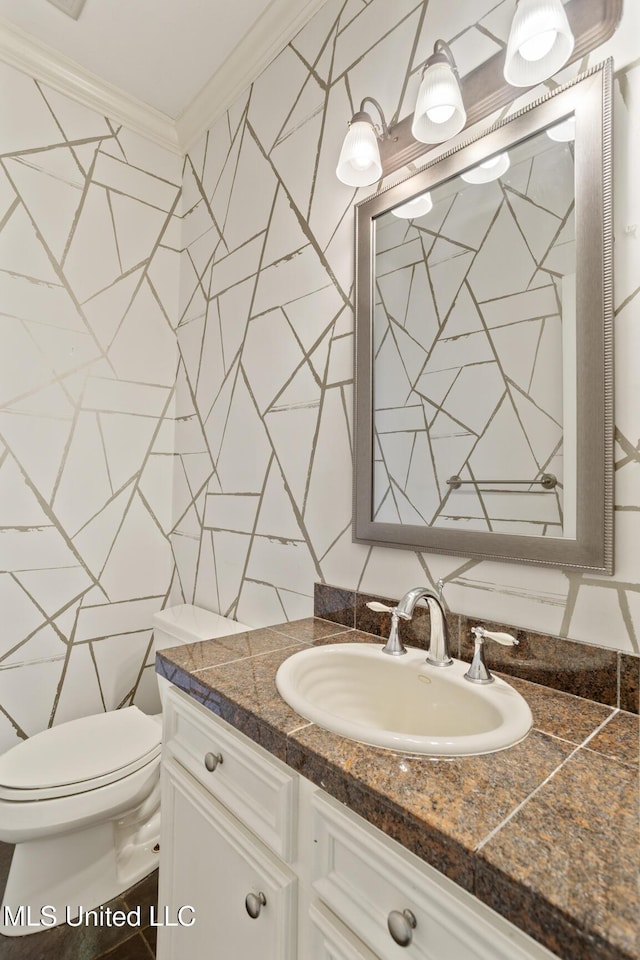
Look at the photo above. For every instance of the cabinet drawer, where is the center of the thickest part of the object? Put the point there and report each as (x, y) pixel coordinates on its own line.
(330, 939)
(363, 876)
(261, 791)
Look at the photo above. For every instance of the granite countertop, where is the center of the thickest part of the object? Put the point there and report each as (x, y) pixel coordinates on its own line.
(546, 832)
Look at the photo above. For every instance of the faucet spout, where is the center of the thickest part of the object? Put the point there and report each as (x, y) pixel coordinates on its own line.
(438, 653)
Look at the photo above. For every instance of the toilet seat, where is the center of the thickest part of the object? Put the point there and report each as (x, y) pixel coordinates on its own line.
(79, 755)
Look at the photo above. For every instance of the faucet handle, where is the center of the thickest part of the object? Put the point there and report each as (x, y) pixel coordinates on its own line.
(478, 672)
(504, 638)
(394, 644)
(379, 607)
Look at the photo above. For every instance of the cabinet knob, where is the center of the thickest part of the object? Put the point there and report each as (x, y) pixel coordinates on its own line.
(401, 926)
(211, 761)
(254, 902)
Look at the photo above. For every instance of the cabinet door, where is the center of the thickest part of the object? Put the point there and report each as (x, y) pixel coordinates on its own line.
(209, 862)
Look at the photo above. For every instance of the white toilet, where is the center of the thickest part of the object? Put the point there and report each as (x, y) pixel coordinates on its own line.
(81, 801)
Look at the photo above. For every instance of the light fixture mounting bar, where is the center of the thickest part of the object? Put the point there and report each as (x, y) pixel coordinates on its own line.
(485, 90)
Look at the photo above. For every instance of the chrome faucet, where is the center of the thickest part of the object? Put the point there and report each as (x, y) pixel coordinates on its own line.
(438, 652)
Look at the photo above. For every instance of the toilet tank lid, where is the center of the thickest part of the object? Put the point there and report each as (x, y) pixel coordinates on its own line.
(187, 623)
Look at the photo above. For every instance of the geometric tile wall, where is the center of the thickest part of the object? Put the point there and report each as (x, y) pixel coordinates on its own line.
(265, 386)
(89, 261)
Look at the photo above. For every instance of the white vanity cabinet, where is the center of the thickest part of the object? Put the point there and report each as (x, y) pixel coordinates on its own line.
(325, 885)
(228, 826)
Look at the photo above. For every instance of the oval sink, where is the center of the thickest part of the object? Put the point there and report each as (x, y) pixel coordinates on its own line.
(402, 703)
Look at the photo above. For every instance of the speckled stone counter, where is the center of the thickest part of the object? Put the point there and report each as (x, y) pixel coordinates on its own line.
(546, 833)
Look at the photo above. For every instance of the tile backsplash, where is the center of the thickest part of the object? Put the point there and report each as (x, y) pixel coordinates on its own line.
(596, 673)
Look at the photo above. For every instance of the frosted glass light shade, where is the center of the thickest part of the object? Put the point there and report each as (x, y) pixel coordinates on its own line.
(415, 208)
(564, 131)
(439, 112)
(491, 169)
(540, 42)
(359, 163)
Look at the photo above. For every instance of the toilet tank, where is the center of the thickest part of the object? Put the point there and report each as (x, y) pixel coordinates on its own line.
(188, 624)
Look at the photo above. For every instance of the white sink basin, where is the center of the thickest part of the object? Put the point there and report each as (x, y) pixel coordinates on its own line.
(402, 703)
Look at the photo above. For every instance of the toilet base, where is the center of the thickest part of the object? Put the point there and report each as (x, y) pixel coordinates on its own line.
(57, 879)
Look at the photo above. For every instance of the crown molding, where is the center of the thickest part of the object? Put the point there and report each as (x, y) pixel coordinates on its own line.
(272, 31)
(40, 61)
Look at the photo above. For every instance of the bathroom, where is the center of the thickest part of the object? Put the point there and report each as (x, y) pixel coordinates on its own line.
(155, 448)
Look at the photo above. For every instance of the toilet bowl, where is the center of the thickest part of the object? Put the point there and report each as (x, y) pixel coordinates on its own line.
(81, 801)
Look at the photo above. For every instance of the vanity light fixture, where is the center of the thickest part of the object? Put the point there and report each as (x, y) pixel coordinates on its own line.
(439, 113)
(359, 164)
(545, 36)
(491, 169)
(415, 208)
(540, 42)
(564, 131)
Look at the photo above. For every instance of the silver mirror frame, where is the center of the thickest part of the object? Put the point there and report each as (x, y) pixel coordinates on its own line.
(590, 98)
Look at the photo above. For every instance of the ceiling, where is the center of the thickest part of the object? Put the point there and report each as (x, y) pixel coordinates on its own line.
(162, 53)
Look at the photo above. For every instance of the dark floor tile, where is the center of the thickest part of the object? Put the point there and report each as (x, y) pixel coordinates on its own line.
(151, 936)
(88, 942)
(135, 948)
(144, 894)
(6, 855)
(63, 942)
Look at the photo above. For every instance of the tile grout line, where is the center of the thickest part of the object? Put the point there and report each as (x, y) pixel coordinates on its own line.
(264, 653)
(303, 726)
(533, 793)
(226, 663)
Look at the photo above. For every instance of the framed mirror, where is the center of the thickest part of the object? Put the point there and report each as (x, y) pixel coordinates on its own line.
(483, 402)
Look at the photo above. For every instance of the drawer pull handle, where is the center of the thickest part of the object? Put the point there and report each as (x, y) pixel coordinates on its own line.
(254, 902)
(401, 926)
(211, 761)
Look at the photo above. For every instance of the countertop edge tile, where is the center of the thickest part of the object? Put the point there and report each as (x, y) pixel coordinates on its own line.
(252, 726)
(542, 921)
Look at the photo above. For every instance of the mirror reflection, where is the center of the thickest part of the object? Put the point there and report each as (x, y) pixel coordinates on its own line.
(474, 347)
(483, 354)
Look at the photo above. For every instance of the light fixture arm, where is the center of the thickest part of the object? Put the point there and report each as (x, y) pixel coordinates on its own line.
(442, 54)
(363, 115)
